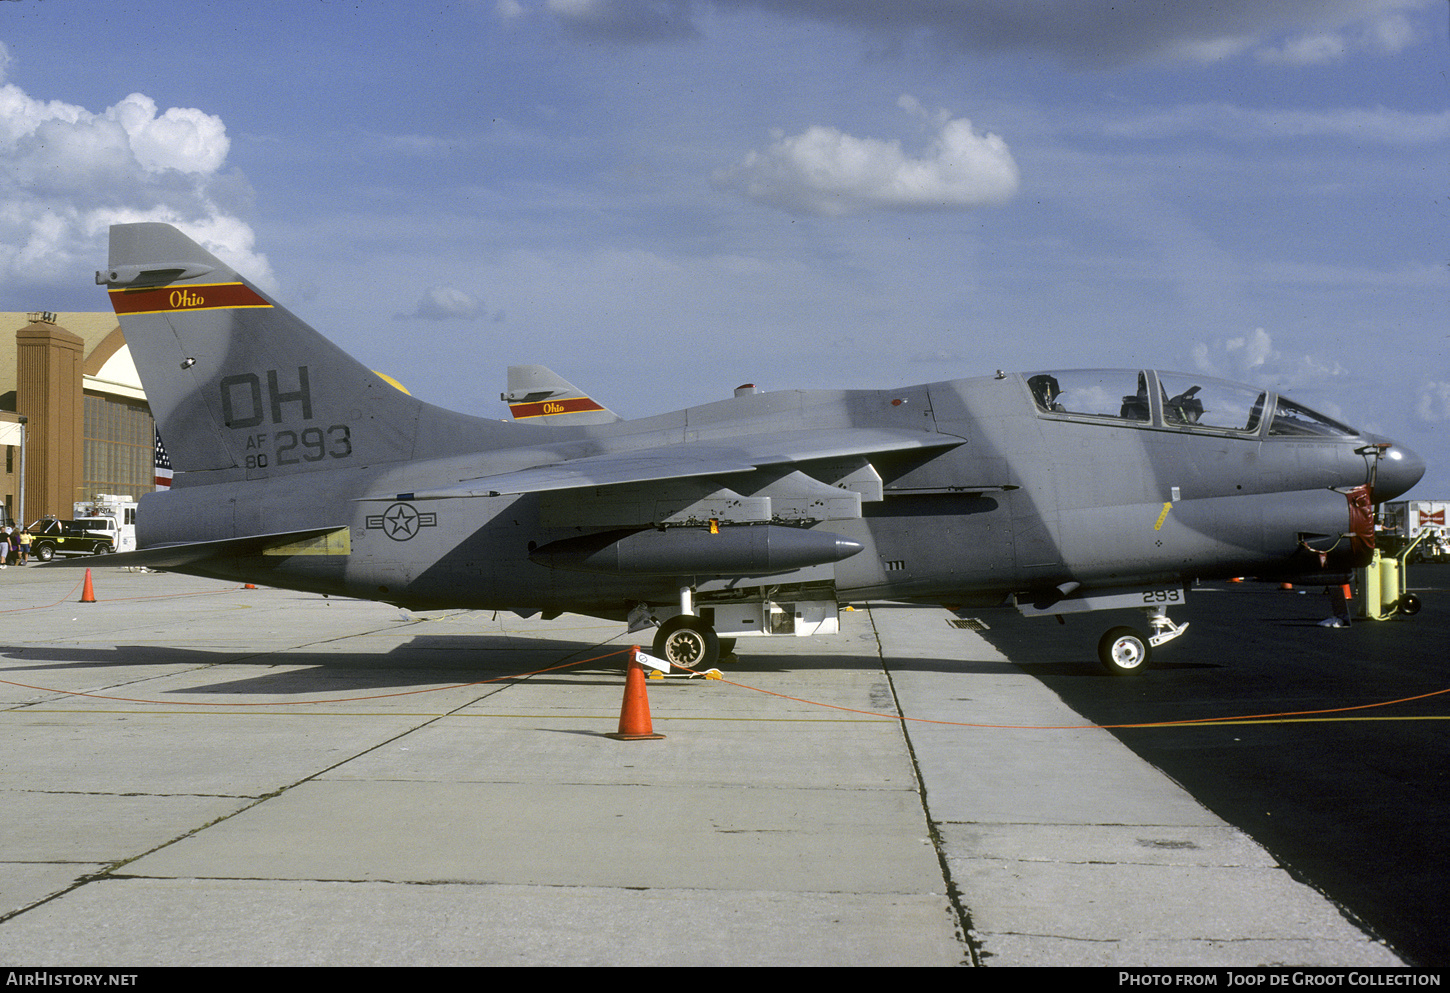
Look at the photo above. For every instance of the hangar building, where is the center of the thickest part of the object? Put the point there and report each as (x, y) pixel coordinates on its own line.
(73, 411)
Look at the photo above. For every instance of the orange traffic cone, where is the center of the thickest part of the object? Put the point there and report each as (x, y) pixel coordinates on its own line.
(88, 593)
(634, 722)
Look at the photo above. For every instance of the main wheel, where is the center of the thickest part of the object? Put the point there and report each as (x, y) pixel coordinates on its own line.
(1124, 651)
(688, 641)
(45, 552)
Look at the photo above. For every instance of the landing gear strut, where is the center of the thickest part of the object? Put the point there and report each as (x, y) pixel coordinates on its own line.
(687, 639)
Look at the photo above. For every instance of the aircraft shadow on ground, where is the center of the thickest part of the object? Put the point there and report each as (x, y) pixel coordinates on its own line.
(1090, 668)
(422, 661)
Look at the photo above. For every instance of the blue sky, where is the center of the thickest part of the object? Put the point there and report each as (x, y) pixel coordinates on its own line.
(662, 199)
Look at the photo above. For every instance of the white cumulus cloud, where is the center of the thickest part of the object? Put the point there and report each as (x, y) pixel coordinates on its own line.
(1378, 31)
(446, 303)
(826, 172)
(184, 139)
(1254, 359)
(68, 173)
(1432, 403)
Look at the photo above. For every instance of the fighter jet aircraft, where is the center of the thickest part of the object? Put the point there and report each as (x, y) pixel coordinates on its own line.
(1056, 490)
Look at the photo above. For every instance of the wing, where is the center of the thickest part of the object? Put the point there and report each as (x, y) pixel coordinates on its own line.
(690, 460)
(332, 540)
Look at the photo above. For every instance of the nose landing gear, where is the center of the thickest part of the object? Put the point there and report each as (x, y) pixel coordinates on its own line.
(1125, 650)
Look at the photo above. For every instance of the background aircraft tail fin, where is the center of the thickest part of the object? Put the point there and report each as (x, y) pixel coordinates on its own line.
(236, 381)
(538, 393)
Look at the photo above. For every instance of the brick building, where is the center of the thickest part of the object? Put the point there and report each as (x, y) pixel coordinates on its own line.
(86, 426)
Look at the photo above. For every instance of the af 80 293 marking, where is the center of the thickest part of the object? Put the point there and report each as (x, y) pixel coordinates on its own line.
(312, 444)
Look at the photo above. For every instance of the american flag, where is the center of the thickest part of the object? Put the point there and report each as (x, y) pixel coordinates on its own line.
(163, 465)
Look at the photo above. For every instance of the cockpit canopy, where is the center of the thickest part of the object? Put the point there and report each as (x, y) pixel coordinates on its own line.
(1176, 400)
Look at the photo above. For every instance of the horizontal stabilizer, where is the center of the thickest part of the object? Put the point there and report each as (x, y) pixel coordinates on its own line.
(689, 460)
(313, 541)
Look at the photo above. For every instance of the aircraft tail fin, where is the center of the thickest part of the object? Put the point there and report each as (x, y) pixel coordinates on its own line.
(537, 392)
(237, 382)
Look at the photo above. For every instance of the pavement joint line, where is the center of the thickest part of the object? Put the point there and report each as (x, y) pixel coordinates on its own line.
(963, 922)
(1008, 927)
(109, 871)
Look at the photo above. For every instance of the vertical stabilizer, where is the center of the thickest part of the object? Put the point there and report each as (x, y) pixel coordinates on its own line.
(540, 394)
(237, 382)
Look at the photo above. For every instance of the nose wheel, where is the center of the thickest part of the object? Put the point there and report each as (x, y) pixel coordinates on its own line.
(1124, 651)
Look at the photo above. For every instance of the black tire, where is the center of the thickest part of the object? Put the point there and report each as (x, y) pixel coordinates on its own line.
(1409, 605)
(45, 552)
(727, 647)
(687, 641)
(1124, 651)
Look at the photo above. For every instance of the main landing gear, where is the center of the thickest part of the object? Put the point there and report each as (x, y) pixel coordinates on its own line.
(689, 641)
(1124, 651)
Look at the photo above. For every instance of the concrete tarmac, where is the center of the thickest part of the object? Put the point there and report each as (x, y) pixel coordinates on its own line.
(197, 774)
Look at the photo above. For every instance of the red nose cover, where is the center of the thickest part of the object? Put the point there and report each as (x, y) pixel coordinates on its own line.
(1361, 525)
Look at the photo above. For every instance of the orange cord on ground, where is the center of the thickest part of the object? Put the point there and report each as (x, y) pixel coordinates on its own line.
(1199, 721)
(1245, 718)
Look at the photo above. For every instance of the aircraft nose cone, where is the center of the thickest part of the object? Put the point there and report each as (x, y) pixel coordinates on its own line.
(1399, 469)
